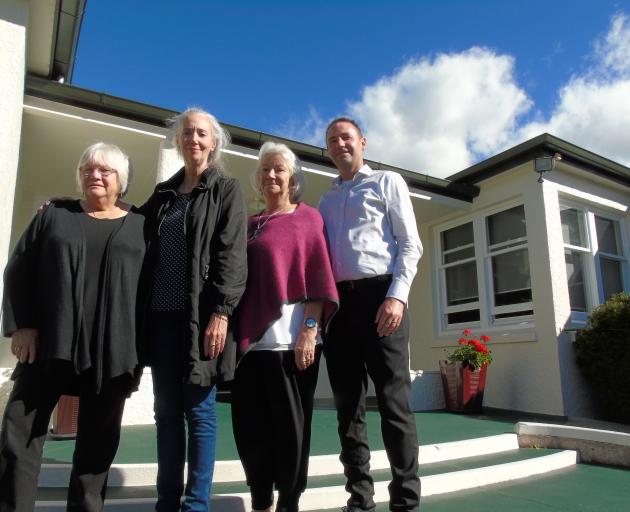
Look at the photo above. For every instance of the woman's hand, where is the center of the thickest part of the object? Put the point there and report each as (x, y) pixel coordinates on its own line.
(214, 337)
(305, 347)
(24, 345)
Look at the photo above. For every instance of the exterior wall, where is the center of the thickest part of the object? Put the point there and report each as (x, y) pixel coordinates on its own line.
(525, 374)
(577, 187)
(13, 21)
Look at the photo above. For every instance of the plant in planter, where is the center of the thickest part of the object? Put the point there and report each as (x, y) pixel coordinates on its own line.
(464, 373)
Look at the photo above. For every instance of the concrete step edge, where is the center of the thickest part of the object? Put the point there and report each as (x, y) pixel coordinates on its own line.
(335, 496)
(137, 475)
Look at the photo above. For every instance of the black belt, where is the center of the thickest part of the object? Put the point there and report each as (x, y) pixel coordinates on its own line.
(358, 284)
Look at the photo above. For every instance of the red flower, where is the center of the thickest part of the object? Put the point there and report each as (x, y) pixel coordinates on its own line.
(467, 332)
(461, 341)
(485, 338)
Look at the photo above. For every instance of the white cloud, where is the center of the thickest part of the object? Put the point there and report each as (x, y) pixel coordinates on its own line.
(593, 109)
(441, 114)
(309, 130)
(438, 115)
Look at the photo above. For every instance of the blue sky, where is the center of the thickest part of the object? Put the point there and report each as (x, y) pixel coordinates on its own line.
(437, 85)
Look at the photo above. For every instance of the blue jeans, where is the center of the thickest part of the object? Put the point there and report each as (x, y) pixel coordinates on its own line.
(177, 404)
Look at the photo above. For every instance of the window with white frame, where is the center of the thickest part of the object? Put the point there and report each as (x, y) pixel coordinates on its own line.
(484, 270)
(508, 263)
(459, 274)
(596, 262)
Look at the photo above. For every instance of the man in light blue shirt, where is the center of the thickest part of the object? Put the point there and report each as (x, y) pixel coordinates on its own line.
(375, 248)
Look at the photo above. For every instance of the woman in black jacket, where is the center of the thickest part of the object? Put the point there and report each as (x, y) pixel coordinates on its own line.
(69, 307)
(197, 249)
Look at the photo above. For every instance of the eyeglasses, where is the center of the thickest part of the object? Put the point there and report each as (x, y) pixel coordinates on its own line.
(103, 172)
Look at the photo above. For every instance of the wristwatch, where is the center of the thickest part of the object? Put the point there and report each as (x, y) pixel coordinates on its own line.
(310, 323)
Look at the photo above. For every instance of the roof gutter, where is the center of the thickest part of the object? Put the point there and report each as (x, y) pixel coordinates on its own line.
(68, 27)
(156, 116)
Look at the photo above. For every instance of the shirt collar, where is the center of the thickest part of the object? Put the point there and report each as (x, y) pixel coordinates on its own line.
(365, 170)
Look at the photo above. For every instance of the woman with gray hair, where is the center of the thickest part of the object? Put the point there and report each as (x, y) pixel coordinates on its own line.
(197, 253)
(69, 307)
(290, 294)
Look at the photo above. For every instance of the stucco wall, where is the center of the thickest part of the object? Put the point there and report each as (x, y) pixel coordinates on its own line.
(525, 374)
(578, 187)
(13, 21)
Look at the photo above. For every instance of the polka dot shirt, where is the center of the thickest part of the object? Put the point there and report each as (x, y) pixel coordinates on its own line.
(170, 278)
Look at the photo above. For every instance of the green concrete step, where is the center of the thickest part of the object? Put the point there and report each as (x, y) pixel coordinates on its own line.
(329, 492)
(137, 443)
(582, 487)
(133, 475)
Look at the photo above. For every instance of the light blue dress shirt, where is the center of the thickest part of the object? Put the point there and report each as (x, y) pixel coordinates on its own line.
(372, 229)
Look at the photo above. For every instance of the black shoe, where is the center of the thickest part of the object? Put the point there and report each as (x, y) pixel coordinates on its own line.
(357, 509)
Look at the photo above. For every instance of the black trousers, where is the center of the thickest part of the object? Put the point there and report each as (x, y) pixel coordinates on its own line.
(353, 351)
(25, 425)
(272, 409)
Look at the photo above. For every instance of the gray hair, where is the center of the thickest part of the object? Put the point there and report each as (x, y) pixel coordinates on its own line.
(296, 174)
(110, 156)
(221, 137)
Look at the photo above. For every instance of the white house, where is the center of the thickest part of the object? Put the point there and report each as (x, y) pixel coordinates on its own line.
(505, 255)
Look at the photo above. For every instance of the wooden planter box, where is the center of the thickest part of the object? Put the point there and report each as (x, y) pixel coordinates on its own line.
(463, 388)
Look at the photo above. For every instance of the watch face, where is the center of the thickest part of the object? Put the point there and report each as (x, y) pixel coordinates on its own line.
(310, 323)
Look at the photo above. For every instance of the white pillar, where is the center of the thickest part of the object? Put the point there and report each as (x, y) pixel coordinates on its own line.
(13, 21)
(169, 161)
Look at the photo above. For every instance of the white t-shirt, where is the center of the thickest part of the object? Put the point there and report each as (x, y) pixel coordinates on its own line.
(283, 333)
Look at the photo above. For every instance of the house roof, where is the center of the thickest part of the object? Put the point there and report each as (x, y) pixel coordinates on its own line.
(53, 33)
(543, 145)
(157, 116)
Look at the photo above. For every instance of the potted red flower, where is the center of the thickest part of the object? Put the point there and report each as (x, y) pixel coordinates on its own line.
(464, 373)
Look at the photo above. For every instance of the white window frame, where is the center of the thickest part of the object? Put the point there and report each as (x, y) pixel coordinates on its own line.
(485, 288)
(593, 282)
(513, 245)
(445, 309)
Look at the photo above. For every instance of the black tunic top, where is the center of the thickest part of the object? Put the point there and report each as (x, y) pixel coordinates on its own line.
(45, 283)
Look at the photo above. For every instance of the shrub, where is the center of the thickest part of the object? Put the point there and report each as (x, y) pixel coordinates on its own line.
(603, 354)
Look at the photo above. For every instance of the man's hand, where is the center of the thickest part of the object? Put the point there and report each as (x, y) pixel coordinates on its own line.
(24, 345)
(214, 336)
(389, 316)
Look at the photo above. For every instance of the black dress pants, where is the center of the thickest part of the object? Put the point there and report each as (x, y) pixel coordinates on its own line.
(272, 409)
(24, 429)
(353, 351)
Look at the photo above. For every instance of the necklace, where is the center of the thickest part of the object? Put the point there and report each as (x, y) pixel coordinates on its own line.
(113, 213)
(260, 225)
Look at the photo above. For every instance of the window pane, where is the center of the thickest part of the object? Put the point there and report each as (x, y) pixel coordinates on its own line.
(510, 275)
(606, 235)
(611, 277)
(461, 284)
(575, 278)
(457, 237)
(573, 227)
(462, 254)
(506, 225)
(463, 316)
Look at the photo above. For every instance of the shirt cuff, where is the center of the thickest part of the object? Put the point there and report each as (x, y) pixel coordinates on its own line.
(398, 290)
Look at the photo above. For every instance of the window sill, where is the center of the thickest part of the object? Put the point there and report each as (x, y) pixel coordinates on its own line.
(497, 335)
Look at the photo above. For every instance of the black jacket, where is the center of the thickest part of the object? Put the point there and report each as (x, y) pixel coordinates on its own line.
(43, 290)
(216, 233)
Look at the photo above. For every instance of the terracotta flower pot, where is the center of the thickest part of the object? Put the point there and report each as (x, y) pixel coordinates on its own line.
(463, 388)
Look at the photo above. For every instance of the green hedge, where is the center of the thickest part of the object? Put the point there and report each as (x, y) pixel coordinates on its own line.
(603, 354)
